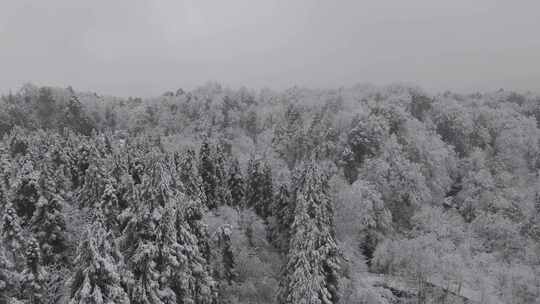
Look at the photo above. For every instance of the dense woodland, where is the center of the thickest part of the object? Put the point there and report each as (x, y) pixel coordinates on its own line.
(355, 195)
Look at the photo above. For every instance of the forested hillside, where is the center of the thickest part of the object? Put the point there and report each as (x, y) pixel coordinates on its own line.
(359, 195)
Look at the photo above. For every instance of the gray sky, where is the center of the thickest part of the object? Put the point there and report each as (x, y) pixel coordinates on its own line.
(135, 47)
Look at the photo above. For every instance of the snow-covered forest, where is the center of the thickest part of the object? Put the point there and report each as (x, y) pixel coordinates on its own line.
(366, 194)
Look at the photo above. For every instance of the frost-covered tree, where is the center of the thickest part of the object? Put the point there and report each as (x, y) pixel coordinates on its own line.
(289, 139)
(259, 188)
(236, 184)
(9, 279)
(162, 243)
(207, 170)
(253, 184)
(48, 222)
(224, 264)
(311, 271)
(193, 283)
(283, 216)
(96, 277)
(267, 192)
(34, 276)
(74, 117)
(24, 190)
(223, 193)
(12, 238)
(365, 138)
(399, 180)
(190, 179)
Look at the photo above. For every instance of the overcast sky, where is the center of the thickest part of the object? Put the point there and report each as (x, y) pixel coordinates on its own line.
(136, 47)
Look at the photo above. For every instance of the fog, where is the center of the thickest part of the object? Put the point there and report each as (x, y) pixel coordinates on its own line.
(146, 47)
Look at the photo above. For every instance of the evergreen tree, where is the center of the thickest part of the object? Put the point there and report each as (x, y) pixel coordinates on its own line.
(207, 169)
(223, 261)
(88, 196)
(259, 189)
(48, 223)
(189, 177)
(75, 118)
(24, 190)
(289, 138)
(283, 213)
(253, 184)
(223, 193)
(310, 274)
(236, 184)
(12, 238)
(162, 248)
(194, 283)
(96, 279)
(109, 205)
(267, 192)
(225, 268)
(34, 275)
(9, 279)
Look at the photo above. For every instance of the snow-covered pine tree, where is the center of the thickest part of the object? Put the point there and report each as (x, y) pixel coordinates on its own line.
(91, 191)
(288, 139)
(48, 222)
(9, 279)
(24, 189)
(259, 188)
(80, 162)
(236, 184)
(223, 193)
(224, 267)
(5, 172)
(207, 170)
(253, 184)
(74, 117)
(161, 247)
(283, 214)
(11, 237)
(193, 283)
(110, 205)
(34, 275)
(141, 242)
(311, 271)
(96, 276)
(267, 192)
(190, 179)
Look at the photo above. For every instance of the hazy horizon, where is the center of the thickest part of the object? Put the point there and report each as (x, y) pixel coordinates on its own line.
(143, 48)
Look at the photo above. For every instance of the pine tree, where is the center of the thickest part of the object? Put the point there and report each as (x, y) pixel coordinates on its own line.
(12, 238)
(236, 184)
(283, 213)
(225, 268)
(162, 246)
(223, 193)
(253, 184)
(48, 223)
(310, 275)
(189, 177)
(207, 170)
(289, 141)
(259, 188)
(34, 275)
(9, 279)
(24, 190)
(194, 284)
(75, 118)
(267, 192)
(88, 196)
(141, 238)
(96, 279)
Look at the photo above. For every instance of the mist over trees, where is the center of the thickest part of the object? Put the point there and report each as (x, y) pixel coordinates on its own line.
(355, 195)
